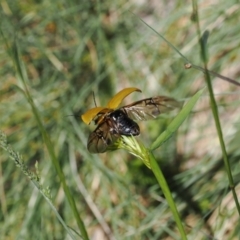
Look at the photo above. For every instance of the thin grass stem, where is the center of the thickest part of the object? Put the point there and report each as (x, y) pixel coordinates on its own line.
(214, 107)
(23, 77)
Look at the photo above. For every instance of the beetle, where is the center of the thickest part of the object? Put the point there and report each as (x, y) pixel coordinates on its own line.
(113, 122)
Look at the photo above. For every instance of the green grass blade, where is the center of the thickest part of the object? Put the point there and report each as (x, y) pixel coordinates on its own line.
(177, 121)
(23, 77)
(187, 61)
(33, 178)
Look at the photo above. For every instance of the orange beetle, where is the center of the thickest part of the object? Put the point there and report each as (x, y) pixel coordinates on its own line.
(112, 122)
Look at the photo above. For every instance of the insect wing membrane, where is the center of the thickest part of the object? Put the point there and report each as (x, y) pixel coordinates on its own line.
(150, 108)
(101, 138)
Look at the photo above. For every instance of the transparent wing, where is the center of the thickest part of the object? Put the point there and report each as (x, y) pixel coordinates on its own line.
(101, 138)
(150, 108)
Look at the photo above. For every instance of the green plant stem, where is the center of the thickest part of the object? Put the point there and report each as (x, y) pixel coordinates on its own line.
(166, 191)
(215, 108)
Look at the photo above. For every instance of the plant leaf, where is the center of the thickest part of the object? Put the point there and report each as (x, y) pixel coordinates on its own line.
(177, 121)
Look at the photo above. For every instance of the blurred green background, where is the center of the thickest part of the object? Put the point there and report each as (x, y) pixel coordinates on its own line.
(72, 48)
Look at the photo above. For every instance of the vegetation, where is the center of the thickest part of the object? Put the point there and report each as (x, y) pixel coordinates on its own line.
(54, 54)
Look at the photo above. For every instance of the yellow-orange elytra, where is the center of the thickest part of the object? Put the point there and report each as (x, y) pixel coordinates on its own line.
(117, 99)
(88, 116)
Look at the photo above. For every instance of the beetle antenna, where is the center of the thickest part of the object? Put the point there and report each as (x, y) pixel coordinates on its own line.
(74, 115)
(94, 99)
